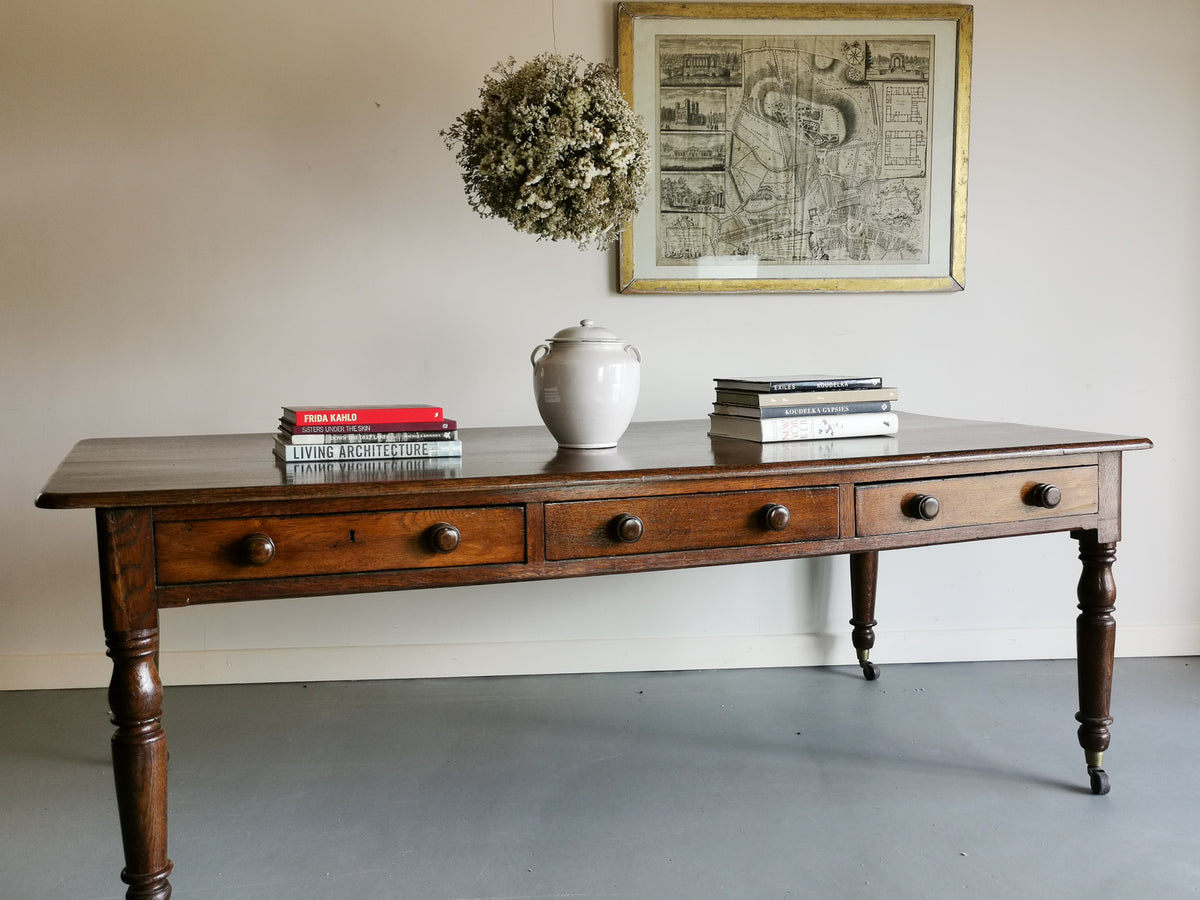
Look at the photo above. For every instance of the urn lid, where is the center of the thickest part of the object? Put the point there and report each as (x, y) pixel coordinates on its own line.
(586, 330)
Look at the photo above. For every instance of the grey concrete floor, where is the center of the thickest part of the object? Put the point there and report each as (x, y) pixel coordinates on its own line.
(949, 780)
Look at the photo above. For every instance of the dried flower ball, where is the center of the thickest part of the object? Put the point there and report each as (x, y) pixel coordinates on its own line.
(555, 149)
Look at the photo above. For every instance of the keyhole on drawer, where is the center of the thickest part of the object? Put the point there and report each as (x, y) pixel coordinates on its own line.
(352, 535)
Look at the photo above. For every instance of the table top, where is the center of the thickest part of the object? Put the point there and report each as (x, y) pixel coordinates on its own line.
(152, 471)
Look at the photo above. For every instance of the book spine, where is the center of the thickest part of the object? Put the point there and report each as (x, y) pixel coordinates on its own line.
(807, 428)
(368, 428)
(804, 384)
(805, 398)
(363, 416)
(347, 452)
(786, 412)
(381, 437)
(832, 384)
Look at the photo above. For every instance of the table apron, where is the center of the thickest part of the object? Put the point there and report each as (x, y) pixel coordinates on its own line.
(170, 596)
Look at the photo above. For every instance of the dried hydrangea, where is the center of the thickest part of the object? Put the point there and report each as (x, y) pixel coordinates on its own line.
(553, 148)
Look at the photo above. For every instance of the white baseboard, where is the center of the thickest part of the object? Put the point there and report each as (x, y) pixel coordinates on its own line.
(290, 664)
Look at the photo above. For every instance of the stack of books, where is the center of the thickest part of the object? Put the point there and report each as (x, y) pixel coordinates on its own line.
(351, 434)
(803, 408)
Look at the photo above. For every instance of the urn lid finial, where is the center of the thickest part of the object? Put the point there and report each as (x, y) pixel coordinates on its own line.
(586, 330)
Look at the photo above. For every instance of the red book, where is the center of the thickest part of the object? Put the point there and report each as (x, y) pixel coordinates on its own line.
(362, 415)
(367, 427)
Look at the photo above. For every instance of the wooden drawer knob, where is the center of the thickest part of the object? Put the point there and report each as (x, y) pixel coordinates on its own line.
(444, 537)
(1047, 496)
(924, 506)
(628, 528)
(776, 517)
(258, 549)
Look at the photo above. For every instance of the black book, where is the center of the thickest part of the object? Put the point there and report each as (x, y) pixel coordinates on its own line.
(815, 409)
(779, 384)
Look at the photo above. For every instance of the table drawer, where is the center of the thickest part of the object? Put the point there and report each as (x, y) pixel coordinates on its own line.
(590, 528)
(974, 500)
(273, 547)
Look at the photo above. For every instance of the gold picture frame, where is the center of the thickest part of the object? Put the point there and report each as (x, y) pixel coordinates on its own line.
(798, 146)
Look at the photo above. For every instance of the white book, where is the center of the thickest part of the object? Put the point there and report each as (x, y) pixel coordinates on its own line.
(804, 428)
(378, 437)
(345, 452)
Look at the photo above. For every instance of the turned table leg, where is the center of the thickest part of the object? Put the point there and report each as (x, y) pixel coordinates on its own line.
(864, 572)
(139, 745)
(1095, 632)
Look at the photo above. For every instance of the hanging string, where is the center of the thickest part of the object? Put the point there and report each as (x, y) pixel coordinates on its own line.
(554, 26)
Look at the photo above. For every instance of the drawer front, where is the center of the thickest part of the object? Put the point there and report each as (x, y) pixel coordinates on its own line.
(274, 547)
(974, 500)
(591, 528)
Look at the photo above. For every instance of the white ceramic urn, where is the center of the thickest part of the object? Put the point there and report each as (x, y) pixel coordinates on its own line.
(586, 381)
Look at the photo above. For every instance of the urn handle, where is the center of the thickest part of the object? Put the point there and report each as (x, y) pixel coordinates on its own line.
(534, 358)
(636, 352)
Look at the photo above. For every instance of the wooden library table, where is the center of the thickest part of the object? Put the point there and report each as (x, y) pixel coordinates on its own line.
(215, 519)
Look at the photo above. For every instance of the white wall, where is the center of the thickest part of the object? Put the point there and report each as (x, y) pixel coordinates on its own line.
(208, 210)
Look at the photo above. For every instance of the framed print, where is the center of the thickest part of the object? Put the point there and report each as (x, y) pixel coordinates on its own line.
(798, 146)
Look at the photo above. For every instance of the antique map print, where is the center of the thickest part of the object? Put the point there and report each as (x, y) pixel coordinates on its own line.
(793, 150)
